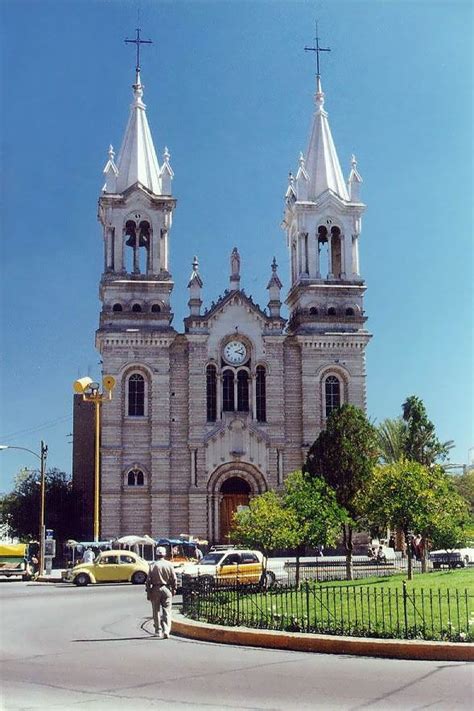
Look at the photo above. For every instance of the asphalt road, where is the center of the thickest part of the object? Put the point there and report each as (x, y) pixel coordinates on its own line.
(89, 648)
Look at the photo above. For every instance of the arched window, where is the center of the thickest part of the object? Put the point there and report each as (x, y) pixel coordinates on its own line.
(117, 307)
(242, 391)
(349, 311)
(331, 311)
(261, 403)
(313, 311)
(136, 395)
(228, 400)
(156, 308)
(135, 477)
(211, 393)
(136, 308)
(332, 388)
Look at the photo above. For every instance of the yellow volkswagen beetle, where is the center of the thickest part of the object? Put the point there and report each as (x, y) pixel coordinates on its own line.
(109, 567)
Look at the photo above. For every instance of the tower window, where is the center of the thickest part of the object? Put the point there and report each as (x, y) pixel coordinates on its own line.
(135, 477)
(332, 389)
(349, 312)
(261, 403)
(313, 311)
(228, 399)
(136, 308)
(117, 307)
(211, 393)
(331, 311)
(136, 395)
(242, 391)
(156, 308)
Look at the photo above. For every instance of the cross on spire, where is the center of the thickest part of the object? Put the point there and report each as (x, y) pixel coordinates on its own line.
(317, 49)
(138, 42)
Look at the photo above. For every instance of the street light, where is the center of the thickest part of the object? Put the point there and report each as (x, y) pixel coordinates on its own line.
(42, 458)
(90, 392)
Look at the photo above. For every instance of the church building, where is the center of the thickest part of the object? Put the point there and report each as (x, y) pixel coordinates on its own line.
(206, 417)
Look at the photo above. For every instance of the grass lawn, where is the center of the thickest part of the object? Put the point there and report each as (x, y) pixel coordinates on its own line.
(437, 605)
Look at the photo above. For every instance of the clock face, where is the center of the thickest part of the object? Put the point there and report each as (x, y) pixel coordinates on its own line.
(235, 352)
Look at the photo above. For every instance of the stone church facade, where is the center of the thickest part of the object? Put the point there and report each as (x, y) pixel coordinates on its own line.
(204, 418)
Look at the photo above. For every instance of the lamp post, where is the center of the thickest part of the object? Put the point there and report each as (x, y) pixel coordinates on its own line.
(90, 392)
(42, 457)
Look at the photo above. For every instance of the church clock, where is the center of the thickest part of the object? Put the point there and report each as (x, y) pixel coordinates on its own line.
(235, 352)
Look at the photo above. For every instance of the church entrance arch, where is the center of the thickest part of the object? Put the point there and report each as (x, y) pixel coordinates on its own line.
(235, 492)
(230, 486)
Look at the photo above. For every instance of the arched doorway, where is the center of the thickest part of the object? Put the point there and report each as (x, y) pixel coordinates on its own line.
(235, 492)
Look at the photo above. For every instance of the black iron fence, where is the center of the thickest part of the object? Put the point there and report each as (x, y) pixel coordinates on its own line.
(358, 610)
(324, 569)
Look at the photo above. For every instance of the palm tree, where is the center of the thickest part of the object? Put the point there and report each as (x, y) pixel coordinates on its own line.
(391, 439)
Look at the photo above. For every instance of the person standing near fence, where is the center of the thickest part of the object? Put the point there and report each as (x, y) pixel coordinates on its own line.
(160, 586)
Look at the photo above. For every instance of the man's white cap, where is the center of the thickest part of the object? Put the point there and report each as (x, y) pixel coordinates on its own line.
(161, 551)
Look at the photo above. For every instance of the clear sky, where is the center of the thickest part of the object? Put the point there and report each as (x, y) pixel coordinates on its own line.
(229, 90)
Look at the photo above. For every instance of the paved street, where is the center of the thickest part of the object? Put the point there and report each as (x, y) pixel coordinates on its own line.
(69, 648)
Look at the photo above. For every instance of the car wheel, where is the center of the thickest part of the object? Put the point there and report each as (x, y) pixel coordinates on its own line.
(81, 580)
(139, 578)
(26, 576)
(436, 566)
(465, 562)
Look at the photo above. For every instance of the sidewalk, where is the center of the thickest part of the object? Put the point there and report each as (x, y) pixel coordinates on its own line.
(53, 577)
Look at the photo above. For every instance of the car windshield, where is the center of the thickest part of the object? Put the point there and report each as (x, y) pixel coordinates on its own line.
(210, 559)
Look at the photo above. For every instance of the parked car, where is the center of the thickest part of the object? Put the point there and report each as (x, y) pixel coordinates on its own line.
(16, 559)
(230, 566)
(115, 566)
(456, 558)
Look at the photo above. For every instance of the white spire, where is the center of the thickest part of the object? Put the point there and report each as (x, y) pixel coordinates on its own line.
(322, 164)
(137, 161)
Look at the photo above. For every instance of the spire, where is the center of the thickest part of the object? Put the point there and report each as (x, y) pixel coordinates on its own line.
(195, 276)
(195, 286)
(110, 172)
(274, 286)
(137, 161)
(322, 164)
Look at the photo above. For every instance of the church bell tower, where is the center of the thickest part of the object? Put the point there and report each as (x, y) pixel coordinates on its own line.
(135, 210)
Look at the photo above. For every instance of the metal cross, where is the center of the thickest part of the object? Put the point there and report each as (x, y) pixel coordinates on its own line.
(138, 42)
(317, 49)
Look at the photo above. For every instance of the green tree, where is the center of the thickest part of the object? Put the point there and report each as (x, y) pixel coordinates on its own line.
(464, 485)
(415, 498)
(421, 443)
(266, 524)
(316, 514)
(344, 455)
(21, 507)
(305, 513)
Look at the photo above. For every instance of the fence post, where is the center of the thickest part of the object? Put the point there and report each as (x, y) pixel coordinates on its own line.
(307, 606)
(405, 611)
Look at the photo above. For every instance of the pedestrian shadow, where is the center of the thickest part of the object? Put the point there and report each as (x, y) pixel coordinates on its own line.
(148, 635)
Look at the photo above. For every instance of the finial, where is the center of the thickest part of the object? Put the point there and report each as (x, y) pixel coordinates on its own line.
(166, 154)
(353, 161)
(317, 49)
(274, 265)
(111, 153)
(291, 178)
(302, 161)
(195, 264)
(137, 41)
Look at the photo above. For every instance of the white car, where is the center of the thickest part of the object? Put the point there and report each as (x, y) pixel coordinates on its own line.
(456, 558)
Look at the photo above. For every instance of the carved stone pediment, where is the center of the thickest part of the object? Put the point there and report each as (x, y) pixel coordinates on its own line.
(236, 439)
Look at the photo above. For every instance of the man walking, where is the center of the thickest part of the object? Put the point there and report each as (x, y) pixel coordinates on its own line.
(161, 585)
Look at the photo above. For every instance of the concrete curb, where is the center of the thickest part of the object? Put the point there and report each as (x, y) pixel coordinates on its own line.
(325, 644)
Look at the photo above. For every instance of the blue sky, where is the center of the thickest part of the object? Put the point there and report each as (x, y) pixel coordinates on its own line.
(229, 90)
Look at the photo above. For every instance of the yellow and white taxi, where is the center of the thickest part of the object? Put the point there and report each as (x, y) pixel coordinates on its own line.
(228, 567)
(109, 567)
